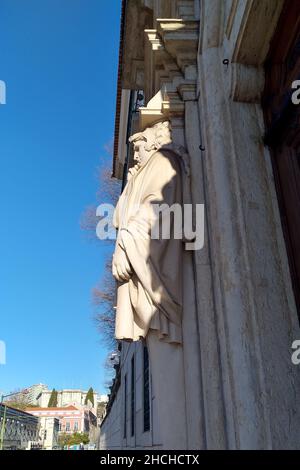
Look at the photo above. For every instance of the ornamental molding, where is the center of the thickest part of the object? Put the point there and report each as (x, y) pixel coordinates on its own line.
(255, 27)
(251, 26)
(247, 83)
(170, 69)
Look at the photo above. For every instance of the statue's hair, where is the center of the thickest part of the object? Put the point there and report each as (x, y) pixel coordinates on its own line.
(156, 136)
(160, 136)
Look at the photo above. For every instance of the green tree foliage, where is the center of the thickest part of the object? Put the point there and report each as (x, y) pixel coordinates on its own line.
(100, 409)
(72, 439)
(53, 399)
(89, 396)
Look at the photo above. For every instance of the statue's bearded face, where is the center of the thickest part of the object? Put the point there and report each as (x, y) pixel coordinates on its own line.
(141, 155)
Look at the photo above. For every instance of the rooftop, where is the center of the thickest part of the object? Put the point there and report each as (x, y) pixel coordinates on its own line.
(51, 408)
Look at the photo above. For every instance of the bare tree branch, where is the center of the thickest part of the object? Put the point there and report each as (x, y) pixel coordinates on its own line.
(104, 299)
(104, 293)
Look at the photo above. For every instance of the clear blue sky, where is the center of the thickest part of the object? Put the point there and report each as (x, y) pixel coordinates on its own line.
(59, 61)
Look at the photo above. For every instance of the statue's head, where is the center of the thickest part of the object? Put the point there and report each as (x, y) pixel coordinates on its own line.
(150, 141)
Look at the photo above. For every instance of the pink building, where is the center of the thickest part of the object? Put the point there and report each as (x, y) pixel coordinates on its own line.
(71, 418)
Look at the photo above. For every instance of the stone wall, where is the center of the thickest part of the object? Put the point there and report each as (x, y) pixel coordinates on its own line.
(207, 59)
(254, 309)
(112, 428)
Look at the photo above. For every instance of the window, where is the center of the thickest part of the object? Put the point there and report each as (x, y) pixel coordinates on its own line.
(76, 426)
(67, 426)
(125, 408)
(146, 388)
(132, 396)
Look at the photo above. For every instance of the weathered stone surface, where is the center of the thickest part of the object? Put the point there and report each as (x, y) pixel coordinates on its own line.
(239, 317)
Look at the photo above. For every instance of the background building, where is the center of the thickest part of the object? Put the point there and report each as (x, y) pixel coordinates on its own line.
(71, 419)
(29, 395)
(49, 428)
(221, 72)
(66, 397)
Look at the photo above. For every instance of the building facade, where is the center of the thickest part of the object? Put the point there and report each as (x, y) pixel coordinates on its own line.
(19, 428)
(30, 395)
(49, 431)
(71, 419)
(221, 73)
(67, 397)
(130, 419)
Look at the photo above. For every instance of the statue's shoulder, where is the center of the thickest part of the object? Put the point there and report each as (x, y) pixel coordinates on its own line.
(167, 158)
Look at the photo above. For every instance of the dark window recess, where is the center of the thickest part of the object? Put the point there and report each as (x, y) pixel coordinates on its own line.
(125, 408)
(132, 396)
(146, 386)
(282, 120)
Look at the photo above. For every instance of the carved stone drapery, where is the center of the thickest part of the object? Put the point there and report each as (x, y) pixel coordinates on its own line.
(171, 73)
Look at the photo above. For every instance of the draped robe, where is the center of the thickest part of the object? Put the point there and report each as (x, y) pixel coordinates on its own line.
(152, 298)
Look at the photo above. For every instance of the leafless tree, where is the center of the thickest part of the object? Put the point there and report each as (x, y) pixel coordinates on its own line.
(108, 192)
(103, 294)
(19, 399)
(104, 299)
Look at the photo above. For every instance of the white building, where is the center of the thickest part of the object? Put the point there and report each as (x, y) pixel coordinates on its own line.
(49, 428)
(66, 397)
(29, 395)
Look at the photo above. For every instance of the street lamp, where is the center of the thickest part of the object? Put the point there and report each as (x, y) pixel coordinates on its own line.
(4, 416)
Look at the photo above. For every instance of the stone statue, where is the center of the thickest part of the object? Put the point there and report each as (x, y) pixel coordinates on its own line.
(149, 271)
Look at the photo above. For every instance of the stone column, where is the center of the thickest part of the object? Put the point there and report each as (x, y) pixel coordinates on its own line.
(254, 308)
